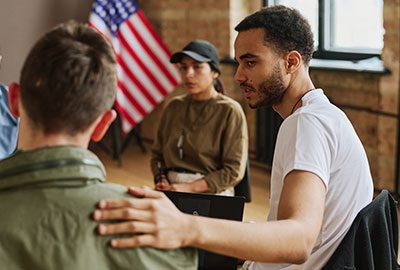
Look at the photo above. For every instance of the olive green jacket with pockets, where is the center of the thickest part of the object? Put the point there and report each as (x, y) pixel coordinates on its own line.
(46, 199)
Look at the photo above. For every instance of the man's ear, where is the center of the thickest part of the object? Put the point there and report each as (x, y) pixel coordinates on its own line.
(293, 61)
(103, 124)
(14, 96)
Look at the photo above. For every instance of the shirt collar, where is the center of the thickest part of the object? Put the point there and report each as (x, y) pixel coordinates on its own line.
(307, 98)
(60, 165)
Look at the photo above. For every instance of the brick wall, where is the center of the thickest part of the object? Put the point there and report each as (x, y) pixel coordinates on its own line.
(23, 22)
(179, 22)
(389, 87)
(369, 100)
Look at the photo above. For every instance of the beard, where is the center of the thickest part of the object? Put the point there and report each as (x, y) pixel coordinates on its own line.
(271, 90)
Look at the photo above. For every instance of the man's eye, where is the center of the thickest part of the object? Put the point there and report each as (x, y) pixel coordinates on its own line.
(250, 63)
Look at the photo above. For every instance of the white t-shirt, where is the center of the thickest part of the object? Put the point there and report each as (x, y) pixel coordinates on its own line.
(319, 138)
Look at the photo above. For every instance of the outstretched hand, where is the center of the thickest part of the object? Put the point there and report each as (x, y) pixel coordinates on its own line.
(151, 217)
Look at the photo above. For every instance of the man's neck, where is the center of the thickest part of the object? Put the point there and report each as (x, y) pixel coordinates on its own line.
(32, 139)
(297, 88)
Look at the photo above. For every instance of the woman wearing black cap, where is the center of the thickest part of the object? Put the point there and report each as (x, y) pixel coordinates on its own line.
(201, 144)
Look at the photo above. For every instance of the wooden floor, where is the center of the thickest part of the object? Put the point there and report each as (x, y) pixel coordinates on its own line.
(135, 171)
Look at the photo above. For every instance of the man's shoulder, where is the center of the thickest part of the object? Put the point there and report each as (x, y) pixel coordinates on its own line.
(57, 222)
(321, 116)
(111, 189)
(86, 197)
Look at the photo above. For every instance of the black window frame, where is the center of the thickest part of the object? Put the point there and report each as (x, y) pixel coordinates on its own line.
(321, 51)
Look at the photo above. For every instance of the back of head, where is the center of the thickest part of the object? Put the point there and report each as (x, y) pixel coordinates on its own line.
(68, 79)
(285, 30)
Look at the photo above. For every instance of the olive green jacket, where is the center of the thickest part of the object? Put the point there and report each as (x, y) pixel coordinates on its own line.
(214, 139)
(46, 198)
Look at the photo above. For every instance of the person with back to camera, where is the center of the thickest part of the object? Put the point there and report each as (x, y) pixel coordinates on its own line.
(201, 143)
(51, 183)
(320, 176)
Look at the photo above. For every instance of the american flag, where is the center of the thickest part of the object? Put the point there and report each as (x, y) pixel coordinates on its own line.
(145, 75)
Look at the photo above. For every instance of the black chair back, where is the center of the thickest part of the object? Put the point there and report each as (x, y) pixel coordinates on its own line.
(372, 240)
(243, 188)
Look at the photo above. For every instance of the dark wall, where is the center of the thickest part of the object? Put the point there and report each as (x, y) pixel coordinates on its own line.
(24, 21)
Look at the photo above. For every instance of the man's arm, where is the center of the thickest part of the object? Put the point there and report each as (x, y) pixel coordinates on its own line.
(161, 225)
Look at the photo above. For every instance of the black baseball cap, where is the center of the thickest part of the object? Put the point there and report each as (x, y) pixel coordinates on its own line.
(199, 50)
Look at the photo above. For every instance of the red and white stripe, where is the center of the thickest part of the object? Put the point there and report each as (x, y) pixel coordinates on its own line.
(145, 75)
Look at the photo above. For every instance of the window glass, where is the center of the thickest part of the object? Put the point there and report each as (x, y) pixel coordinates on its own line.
(347, 29)
(356, 25)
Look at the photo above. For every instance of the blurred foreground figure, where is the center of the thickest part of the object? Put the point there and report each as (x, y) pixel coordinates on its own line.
(48, 187)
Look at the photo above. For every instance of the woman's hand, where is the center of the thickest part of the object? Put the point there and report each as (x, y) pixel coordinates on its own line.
(153, 218)
(197, 186)
(163, 184)
(184, 187)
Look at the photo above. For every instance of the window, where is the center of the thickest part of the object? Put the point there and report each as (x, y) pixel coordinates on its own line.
(343, 29)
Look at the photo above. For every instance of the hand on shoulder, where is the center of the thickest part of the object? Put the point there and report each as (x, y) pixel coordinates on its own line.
(151, 217)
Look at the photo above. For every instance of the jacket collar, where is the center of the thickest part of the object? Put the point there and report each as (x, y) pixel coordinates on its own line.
(51, 166)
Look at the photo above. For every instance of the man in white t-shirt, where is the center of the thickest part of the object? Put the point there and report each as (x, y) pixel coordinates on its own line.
(320, 173)
(318, 138)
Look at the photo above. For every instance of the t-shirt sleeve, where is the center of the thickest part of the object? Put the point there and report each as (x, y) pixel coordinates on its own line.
(306, 145)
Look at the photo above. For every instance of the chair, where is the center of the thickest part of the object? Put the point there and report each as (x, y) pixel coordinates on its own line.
(372, 240)
(243, 188)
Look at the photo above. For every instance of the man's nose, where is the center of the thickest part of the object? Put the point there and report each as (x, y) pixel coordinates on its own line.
(239, 75)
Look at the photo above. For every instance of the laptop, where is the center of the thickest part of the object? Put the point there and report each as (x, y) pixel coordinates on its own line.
(213, 206)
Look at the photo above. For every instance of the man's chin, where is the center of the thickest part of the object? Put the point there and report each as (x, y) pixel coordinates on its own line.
(258, 104)
(255, 105)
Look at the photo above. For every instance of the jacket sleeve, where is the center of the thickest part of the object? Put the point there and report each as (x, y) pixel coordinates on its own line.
(157, 162)
(234, 153)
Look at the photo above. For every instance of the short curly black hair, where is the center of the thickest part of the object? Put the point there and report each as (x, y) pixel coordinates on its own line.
(285, 29)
